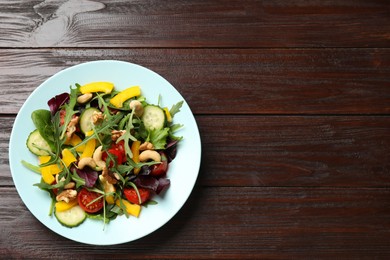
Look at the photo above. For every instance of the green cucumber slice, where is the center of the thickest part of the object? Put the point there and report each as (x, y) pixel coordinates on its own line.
(153, 117)
(86, 124)
(37, 144)
(71, 217)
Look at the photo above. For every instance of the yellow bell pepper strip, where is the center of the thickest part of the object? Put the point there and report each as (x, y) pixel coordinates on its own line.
(135, 151)
(48, 171)
(124, 95)
(47, 177)
(105, 87)
(89, 133)
(108, 188)
(132, 209)
(89, 148)
(62, 205)
(68, 157)
(74, 141)
(168, 114)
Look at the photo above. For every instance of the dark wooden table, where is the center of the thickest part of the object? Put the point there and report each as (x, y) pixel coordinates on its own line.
(292, 99)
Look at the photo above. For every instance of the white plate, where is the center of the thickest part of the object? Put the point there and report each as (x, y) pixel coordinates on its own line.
(183, 170)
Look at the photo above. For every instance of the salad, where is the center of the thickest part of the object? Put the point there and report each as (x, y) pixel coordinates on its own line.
(102, 152)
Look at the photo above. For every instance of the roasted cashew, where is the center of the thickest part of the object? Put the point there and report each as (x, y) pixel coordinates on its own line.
(97, 157)
(84, 98)
(86, 161)
(149, 155)
(70, 184)
(146, 146)
(137, 106)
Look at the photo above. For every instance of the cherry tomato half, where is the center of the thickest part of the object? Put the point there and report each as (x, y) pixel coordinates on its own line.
(118, 151)
(85, 197)
(131, 195)
(162, 168)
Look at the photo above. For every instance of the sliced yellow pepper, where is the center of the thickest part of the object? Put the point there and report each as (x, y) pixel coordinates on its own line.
(62, 205)
(124, 95)
(67, 157)
(168, 114)
(49, 170)
(89, 148)
(105, 87)
(132, 209)
(75, 140)
(47, 176)
(89, 133)
(135, 151)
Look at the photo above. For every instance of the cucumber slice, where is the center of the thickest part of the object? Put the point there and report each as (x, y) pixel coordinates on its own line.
(37, 144)
(86, 124)
(71, 217)
(153, 117)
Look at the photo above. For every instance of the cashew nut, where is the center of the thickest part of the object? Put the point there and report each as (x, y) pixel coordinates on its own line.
(97, 157)
(69, 185)
(86, 161)
(146, 146)
(137, 106)
(149, 155)
(84, 98)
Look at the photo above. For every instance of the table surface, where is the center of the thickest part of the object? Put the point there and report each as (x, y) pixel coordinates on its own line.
(292, 100)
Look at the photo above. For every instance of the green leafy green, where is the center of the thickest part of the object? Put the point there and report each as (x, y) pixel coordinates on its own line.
(176, 108)
(69, 112)
(127, 136)
(31, 167)
(158, 137)
(42, 121)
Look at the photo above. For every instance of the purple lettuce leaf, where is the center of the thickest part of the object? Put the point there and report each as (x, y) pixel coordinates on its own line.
(56, 102)
(89, 175)
(152, 183)
(163, 184)
(171, 150)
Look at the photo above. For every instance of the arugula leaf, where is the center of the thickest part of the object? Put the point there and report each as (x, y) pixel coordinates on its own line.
(77, 179)
(31, 167)
(173, 129)
(176, 108)
(69, 112)
(127, 136)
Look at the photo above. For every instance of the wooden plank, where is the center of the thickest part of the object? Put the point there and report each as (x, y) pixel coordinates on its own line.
(230, 223)
(196, 23)
(282, 151)
(234, 81)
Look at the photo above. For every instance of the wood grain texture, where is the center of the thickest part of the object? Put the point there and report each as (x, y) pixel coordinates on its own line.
(292, 100)
(230, 223)
(196, 23)
(235, 81)
(282, 151)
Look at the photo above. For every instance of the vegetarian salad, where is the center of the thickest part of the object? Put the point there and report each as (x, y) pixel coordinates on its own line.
(102, 152)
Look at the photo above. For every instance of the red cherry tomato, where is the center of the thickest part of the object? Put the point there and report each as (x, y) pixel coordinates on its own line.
(131, 195)
(85, 197)
(162, 168)
(118, 151)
